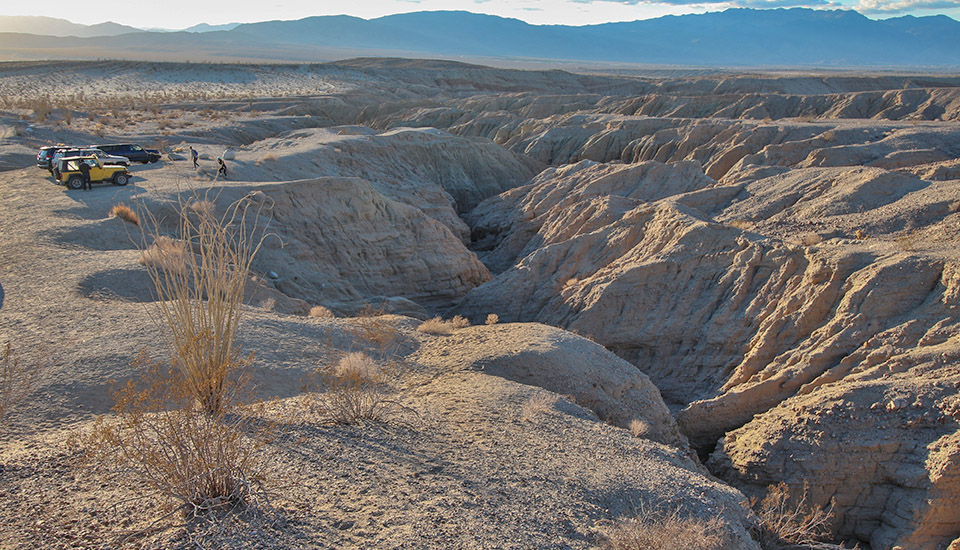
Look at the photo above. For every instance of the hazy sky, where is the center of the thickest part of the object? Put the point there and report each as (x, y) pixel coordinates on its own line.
(178, 14)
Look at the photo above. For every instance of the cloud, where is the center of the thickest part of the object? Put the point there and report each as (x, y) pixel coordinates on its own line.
(880, 6)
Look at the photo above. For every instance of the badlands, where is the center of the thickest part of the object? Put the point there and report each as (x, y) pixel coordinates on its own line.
(762, 270)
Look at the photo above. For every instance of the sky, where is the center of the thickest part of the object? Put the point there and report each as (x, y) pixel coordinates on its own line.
(179, 14)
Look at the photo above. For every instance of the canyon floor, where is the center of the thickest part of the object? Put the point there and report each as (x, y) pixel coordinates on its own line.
(762, 269)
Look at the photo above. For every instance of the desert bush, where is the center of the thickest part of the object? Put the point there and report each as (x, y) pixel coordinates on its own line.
(436, 326)
(200, 281)
(42, 108)
(171, 442)
(165, 254)
(201, 207)
(539, 403)
(640, 428)
(16, 381)
(321, 312)
(269, 157)
(125, 213)
(356, 388)
(656, 531)
(492, 319)
(459, 322)
(373, 331)
(788, 522)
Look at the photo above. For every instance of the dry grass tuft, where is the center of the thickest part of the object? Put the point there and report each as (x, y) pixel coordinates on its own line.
(321, 312)
(787, 522)
(165, 254)
(17, 379)
(459, 322)
(538, 404)
(492, 319)
(436, 326)
(654, 531)
(125, 213)
(202, 207)
(355, 389)
(640, 428)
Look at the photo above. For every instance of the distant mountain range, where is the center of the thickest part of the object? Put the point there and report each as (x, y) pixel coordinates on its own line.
(795, 37)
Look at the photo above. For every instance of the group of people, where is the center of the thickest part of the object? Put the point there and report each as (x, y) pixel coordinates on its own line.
(194, 155)
(222, 166)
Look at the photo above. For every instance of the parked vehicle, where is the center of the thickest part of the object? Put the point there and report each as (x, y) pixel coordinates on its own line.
(84, 152)
(133, 152)
(68, 169)
(45, 155)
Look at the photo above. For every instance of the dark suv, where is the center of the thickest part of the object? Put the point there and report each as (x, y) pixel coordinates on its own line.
(45, 155)
(133, 152)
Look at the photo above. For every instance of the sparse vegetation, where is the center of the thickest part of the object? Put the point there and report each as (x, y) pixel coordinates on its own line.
(321, 312)
(787, 522)
(655, 531)
(640, 428)
(269, 157)
(172, 442)
(125, 213)
(492, 319)
(200, 282)
(539, 403)
(356, 388)
(165, 254)
(201, 207)
(441, 327)
(436, 326)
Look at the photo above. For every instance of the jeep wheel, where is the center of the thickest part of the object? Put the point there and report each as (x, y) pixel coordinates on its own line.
(120, 179)
(75, 182)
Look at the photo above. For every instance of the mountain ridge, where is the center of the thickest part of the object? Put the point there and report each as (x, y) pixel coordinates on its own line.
(737, 37)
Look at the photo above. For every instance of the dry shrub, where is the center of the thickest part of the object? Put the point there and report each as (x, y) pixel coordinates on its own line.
(269, 157)
(200, 282)
(356, 388)
(459, 322)
(269, 304)
(907, 241)
(201, 207)
(321, 312)
(16, 381)
(165, 254)
(492, 319)
(125, 213)
(372, 330)
(655, 531)
(640, 428)
(42, 108)
(436, 326)
(810, 239)
(171, 442)
(787, 522)
(539, 403)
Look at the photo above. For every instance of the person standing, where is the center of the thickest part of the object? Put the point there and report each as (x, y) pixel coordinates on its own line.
(85, 172)
(222, 171)
(195, 156)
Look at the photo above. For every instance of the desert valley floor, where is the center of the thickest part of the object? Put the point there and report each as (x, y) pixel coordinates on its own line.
(762, 270)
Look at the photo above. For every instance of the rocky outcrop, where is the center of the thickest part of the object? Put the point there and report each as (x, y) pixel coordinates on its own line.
(737, 329)
(340, 243)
